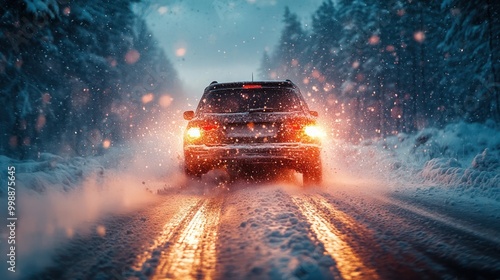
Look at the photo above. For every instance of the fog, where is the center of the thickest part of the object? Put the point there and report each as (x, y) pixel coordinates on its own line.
(220, 40)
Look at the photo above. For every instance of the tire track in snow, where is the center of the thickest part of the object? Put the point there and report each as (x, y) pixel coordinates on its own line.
(349, 264)
(147, 258)
(415, 242)
(384, 241)
(191, 249)
(459, 247)
(443, 219)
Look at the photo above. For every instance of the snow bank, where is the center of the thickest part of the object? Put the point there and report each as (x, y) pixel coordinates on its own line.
(50, 172)
(464, 157)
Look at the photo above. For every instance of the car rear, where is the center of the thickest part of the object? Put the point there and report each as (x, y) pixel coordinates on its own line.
(253, 125)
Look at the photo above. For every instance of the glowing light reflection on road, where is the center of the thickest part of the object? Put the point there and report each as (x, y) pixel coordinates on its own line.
(166, 234)
(349, 264)
(193, 255)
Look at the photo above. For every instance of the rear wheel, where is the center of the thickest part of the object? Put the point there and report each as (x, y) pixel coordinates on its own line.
(313, 174)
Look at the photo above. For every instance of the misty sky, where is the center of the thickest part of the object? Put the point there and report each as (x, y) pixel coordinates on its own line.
(220, 40)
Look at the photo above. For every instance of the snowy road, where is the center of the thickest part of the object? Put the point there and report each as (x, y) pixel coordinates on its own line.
(280, 231)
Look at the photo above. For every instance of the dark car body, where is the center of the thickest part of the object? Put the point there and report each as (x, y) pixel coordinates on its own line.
(253, 126)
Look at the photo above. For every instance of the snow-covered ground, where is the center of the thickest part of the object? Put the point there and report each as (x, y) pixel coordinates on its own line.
(63, 198)
(461, 159)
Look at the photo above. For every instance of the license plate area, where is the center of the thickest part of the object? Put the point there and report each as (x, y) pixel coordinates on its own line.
(252, 130)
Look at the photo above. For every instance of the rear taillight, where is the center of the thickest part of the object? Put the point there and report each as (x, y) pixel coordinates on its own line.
(194, 132)
(313, 131)
(303, 129)
(208, 127)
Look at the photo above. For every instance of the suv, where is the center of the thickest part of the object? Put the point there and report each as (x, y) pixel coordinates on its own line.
(250, 126)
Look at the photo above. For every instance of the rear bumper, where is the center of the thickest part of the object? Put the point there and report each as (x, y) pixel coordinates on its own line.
(290, 155)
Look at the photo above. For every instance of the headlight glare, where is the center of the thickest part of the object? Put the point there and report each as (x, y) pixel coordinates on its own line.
(194, 132)
(313, 131)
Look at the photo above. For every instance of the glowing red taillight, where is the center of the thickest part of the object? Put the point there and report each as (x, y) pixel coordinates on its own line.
(208, 127)
(251, 86)
(198, 131)
(305, 129)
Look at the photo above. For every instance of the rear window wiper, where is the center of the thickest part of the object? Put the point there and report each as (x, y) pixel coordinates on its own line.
(254, 110)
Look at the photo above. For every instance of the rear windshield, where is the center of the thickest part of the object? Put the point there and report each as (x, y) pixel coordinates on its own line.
(248, 100)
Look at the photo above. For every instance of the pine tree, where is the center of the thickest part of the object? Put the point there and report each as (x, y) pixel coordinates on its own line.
(359, 64)
(290, 48)
(326, 31)
(399, 66)
(66, 70)
(472, 57)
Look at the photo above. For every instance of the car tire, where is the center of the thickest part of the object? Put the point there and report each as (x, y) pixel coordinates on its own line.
(313, 174)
